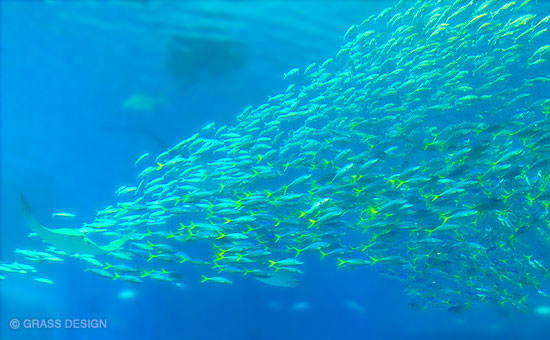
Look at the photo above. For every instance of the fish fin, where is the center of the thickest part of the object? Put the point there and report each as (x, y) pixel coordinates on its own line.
(28, 214)
(114, 245)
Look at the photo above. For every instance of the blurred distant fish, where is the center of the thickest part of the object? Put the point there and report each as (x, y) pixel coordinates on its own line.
(354, 306)
(141, 102)
(44, 280)
(543, 310)
(280, 279)
(300, 306)
(63, 214)
(127, 294)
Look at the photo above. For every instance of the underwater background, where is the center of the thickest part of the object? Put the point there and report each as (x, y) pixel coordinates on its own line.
(89, 86)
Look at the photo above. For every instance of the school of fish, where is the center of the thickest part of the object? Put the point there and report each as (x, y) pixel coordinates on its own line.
(422, 148)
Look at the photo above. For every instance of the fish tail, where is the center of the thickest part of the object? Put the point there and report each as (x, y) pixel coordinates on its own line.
(298, 251)
(147, 273)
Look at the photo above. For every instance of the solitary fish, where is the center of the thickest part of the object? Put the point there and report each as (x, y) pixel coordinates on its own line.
(216, 279)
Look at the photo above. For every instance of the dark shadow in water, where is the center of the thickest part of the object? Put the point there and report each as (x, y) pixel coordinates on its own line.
(192, 58)
(140, 131)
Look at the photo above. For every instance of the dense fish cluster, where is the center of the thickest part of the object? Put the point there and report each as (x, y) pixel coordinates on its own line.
(422, 148)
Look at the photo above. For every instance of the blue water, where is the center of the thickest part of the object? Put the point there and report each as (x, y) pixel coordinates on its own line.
(67, 143)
